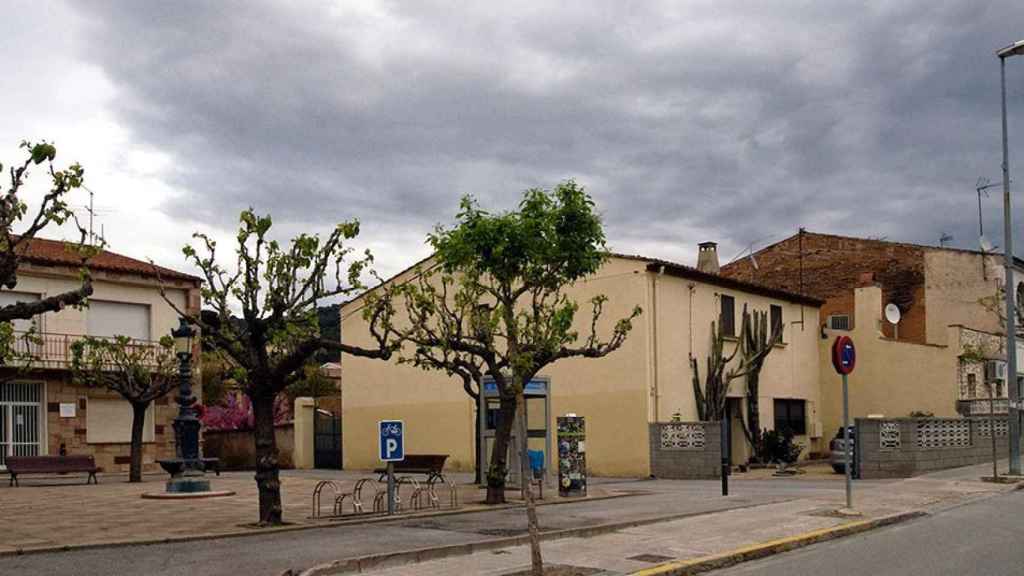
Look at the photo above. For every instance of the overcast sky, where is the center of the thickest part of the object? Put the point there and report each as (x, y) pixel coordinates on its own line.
(687, 121)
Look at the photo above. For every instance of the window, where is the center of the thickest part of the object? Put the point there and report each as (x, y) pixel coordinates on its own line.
(118, 319)
(839, 322)
(775, 312)
(728, 315)
(791, 414)
(972, 385)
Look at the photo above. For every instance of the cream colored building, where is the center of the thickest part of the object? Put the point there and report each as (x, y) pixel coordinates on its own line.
(647, 380)
(44, 411)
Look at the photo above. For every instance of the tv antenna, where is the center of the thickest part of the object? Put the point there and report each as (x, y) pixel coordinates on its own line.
(982, 187)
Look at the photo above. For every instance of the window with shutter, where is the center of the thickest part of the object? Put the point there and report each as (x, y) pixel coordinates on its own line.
(728, 315)
(775, 312)
(118, 319)
(791, 414)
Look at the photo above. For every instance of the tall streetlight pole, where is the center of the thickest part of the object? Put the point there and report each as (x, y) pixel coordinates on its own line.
(1013, 390)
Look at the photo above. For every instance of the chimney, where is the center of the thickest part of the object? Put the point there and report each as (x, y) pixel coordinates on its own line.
(707, 257)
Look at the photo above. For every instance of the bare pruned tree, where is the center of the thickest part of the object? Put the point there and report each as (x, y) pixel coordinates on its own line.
(276, 289)
(140, 373)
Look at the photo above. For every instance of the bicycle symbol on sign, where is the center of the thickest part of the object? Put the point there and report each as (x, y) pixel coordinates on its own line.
(391, 430)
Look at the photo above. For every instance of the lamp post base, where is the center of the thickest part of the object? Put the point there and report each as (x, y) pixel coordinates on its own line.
(186, 477)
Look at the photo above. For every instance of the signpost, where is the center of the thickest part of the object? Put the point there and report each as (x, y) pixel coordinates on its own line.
(391, 449)
(844, 358)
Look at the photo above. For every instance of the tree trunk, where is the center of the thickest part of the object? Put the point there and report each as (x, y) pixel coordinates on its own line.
(526, 475)
(499, 457)
(138, 425)
(478, 465)
(267, 481)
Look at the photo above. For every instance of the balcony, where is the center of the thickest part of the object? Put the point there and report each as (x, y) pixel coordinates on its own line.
(982, 407)
(47, 350)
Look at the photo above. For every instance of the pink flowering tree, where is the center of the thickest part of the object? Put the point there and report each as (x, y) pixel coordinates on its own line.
(237, 414)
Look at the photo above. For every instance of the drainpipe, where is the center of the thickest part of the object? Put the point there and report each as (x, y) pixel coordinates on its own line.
(654, 342)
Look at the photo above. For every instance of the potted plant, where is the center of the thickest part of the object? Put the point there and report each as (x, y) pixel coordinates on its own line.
(777, 447)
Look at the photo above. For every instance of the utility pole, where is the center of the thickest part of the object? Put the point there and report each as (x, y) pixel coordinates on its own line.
(1013, 388)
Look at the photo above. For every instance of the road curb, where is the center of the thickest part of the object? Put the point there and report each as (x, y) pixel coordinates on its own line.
(391, 559)
(765, 549)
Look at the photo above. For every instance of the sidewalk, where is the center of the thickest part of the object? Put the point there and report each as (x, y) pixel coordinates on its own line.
(634, 549)
(58, 513)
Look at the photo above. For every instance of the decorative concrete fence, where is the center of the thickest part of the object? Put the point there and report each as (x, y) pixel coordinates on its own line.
(686, 450)
(903, 447)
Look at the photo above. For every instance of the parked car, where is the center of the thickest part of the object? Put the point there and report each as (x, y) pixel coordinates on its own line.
(836, 448)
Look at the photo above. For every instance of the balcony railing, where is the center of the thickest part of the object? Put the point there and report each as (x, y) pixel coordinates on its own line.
(982, 407)
(50, 350)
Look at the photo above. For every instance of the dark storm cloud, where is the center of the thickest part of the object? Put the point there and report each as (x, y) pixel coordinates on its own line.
(704, 121)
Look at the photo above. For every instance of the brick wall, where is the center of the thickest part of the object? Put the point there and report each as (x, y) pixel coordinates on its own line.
(686, 450)
(904, 447)
(834, 265)
(71, 432)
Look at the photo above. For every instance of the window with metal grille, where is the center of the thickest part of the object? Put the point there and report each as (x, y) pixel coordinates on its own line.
(791, 414)
(728, 315)
(839, 322)
(21, 422)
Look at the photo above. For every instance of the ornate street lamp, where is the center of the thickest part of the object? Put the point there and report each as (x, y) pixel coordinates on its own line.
(186, 469)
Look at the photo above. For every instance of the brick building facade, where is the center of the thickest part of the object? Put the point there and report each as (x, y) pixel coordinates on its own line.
(934, 287)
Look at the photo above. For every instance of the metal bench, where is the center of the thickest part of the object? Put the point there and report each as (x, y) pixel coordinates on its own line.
(432, 465)
(51, 465)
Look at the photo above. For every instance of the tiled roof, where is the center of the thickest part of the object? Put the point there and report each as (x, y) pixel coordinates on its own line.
(46, 252)
(689, 272)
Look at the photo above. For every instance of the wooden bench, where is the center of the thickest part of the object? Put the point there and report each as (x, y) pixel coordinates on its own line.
(211, 464)
(432, 465)
(51, 465)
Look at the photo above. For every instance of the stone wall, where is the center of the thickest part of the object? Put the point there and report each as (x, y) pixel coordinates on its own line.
(237, 448)
(686, 450)
(903, 447)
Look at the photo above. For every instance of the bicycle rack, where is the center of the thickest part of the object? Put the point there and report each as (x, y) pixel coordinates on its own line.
(318, 492)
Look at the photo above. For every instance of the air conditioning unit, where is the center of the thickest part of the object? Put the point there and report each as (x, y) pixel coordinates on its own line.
(995, 370)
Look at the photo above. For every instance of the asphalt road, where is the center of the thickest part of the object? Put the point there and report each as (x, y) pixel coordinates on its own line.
(272, 554)
(981, 538)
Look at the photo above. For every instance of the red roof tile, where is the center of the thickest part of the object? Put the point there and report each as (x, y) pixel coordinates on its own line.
(46, 252)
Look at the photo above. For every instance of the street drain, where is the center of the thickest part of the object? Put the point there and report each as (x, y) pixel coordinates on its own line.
(651, 558)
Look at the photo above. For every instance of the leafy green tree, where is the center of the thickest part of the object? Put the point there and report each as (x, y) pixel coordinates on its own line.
(140, 373)
(494, 302)
(277, 288)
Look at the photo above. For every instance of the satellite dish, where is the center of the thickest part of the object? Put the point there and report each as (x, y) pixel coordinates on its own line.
(892, 313)
(986, 246)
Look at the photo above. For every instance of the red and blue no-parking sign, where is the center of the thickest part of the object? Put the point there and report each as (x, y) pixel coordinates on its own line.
(844, 355)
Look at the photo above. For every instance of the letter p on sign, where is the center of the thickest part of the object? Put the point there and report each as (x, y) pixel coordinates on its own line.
(392, 441)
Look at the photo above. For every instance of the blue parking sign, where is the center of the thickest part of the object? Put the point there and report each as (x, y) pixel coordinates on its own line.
(392, 441)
